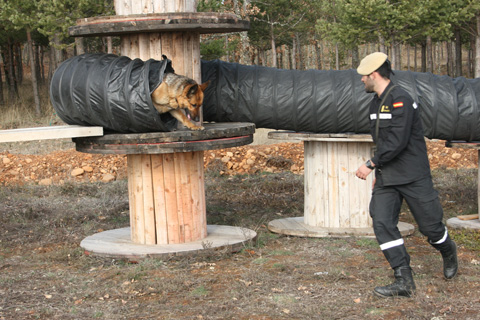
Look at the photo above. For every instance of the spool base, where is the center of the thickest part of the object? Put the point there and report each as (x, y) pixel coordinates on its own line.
(296, 227)
(118, 244)
(456, 223)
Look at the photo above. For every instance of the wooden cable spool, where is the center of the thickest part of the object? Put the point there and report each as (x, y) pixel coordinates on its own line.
(165, 172)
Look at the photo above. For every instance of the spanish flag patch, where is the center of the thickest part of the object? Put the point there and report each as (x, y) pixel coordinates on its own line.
(398, 104)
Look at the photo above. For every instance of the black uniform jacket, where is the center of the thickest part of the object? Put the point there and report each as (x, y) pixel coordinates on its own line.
(401, 154)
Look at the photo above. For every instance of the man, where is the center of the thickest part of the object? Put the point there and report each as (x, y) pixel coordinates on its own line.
(402, 171)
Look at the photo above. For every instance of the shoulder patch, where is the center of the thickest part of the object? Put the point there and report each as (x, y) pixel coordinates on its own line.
(398, 104)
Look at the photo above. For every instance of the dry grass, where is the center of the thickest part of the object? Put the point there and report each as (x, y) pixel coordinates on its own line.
(20, 113)
(45, 275)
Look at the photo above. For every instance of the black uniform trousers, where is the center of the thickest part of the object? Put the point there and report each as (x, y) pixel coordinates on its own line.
(423, 201)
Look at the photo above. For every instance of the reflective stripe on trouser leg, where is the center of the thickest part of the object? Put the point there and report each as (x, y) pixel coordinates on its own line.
(384, 209)
(442, 240)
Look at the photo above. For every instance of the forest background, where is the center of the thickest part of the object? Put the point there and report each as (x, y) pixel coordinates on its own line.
(438, 36)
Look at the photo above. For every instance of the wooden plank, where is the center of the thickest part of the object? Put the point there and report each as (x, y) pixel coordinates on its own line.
(171, 199)
(155, 46)
(468, 217)
(46, 133)
(186, 180)
(159, 199)
(331, 137)
(132, 25)
(131, 197)
(178, 56)
(144, 46)
(180, 196)
(343, 173)
(136, 200)
(148, 200)
(200, 210)
(333, 212)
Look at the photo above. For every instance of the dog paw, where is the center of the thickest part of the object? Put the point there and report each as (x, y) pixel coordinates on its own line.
(196, 128)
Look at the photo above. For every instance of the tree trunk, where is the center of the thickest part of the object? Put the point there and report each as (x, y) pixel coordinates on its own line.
(274, 49)
(424, 57)
(477, 48)
(450, 58)
(319, 49)
(337, 58)
(355, 57)
(415, 53)
(38, 70)
(294, 54)
(2, 99)
(12, 81)
(80, 45)
(19, 65)
(58, 56)
(36, 96)
(408, 57)
(458, 52)
(301, 64)
(429, 52)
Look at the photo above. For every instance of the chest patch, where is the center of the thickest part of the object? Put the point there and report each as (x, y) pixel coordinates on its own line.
(385, 108)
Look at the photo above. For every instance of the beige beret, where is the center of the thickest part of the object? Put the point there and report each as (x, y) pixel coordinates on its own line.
(371, 63)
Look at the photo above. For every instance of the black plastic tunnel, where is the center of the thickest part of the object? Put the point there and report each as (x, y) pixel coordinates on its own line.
(334, 101)
(110, 91)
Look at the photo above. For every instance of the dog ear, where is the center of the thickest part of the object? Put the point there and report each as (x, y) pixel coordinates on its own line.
(204, 85)
(193, 90)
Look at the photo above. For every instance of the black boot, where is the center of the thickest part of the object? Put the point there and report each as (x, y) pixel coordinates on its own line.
(403, 285)
(450, 261)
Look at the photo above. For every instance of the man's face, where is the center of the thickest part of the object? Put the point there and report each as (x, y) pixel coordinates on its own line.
(368, 82)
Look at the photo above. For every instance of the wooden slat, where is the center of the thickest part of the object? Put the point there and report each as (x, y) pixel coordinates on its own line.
(144, 46)
(46, 133)
(180, 195)
(155, 46)
(355, 201)
(468, 217)
(198, 197)
(171, 199)
(159, 199)
(186, 180)
(343, 173)
(131, 202)
(148, 200)
(328, 137)
(333, 192)
(136, 176)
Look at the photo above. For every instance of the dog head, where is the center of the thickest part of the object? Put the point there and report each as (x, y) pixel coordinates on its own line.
(193, 99)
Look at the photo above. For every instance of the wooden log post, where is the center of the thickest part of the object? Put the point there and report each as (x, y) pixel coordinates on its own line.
(166, 191)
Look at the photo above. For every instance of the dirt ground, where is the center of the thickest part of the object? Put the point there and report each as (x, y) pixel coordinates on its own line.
(67, 165)
(45, 212)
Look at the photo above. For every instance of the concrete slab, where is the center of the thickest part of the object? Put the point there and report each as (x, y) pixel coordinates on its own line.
(296, 227)
(456, 223)
(118, 244)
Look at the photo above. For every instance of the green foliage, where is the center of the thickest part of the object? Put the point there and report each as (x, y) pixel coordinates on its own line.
(278, 19)
(212, 50)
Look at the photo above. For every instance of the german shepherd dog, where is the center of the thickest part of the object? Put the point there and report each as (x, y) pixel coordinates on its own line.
(177, 93)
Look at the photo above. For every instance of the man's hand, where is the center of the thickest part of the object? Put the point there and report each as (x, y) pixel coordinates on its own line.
(363, 171)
